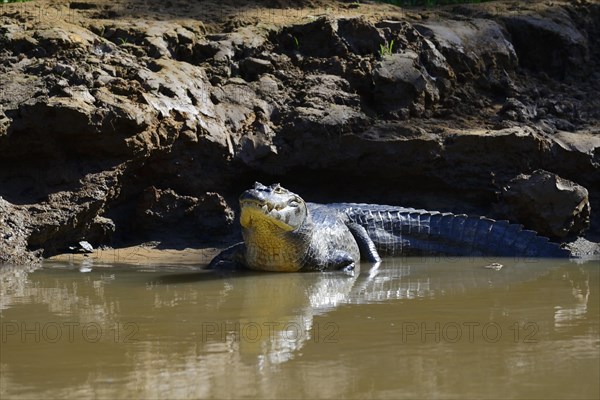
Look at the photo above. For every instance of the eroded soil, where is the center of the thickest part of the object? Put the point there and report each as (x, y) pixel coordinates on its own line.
(125, 122)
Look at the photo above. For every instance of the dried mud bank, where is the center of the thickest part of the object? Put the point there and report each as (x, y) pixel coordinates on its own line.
(121, 127)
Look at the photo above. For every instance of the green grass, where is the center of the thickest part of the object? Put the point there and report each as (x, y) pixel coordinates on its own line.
(386, 49)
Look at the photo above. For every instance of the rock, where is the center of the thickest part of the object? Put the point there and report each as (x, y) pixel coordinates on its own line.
(251, 68)
(86, 246)
(159, 209)
(515, 110)
(235, 105)
(549, 43)
(59, 38)
(500, 153)
(101, 230)
(82, 247)
(255, 146)
(214, 215)
(436, 64)
(360, 36)
(17, 88)
(15, 226)
(494, 266)
(68, 217)
(547, 203)
(323, 90)
(164, 212)
(471, 48)
(64, 69)
(71, 123)
(400, 83)
(316, 39)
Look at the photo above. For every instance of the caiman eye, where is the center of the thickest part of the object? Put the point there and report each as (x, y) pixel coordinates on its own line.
(278, 189)
(294, 202)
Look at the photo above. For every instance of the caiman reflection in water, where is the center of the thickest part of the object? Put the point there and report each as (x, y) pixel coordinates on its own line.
(374, 333)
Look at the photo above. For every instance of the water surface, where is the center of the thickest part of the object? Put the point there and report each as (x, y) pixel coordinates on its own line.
(409, 328)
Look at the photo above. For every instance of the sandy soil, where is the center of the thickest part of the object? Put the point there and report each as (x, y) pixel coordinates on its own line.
(141, 255)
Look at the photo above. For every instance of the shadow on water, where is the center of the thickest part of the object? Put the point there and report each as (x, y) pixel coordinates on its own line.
(441, 273)
(204, 275)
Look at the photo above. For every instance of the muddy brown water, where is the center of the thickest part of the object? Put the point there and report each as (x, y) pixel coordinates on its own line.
(411, 328)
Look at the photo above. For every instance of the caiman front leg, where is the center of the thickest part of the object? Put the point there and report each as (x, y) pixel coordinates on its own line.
(336, 260)
(232, 257)
(368, 251)
(340, 260)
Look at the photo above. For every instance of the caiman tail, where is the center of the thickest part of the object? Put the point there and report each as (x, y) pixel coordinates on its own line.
(408, 231)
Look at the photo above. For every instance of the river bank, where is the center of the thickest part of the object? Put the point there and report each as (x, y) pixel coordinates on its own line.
(128, 122)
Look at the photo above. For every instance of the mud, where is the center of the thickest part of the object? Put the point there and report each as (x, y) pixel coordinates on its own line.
(124, 122)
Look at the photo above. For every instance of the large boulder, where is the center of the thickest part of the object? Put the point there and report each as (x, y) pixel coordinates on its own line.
(551, 205)
(550, 43)
(473, 47)
(402, 85)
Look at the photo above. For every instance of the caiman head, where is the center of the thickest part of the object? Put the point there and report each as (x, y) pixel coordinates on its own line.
(272, 205)
(271, 217)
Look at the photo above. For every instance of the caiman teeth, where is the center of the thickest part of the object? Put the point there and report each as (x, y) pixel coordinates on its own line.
(266, 207)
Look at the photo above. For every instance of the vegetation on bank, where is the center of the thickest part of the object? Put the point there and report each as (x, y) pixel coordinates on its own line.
(386, 49)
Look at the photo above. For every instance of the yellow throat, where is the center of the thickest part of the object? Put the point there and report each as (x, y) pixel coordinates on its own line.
(268, 245)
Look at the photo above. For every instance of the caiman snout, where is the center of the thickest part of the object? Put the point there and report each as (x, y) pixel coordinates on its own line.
(260, 193)
(272, 203)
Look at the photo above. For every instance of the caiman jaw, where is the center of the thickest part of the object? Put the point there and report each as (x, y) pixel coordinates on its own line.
(272, 206)
(255, 212)
(271, 218)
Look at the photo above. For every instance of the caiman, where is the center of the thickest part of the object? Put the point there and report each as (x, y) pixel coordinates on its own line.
(282, 232)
